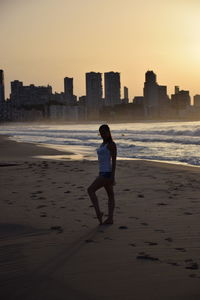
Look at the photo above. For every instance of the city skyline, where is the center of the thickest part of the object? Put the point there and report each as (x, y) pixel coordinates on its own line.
(39, 102)
(46, 41)
(108, 88)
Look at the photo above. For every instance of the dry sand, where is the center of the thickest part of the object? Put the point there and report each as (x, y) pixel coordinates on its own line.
(51, 246)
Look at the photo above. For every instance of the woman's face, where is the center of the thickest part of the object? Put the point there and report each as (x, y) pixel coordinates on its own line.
(104, 133)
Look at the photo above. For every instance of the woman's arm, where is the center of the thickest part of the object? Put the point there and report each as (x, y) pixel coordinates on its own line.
(113, 152)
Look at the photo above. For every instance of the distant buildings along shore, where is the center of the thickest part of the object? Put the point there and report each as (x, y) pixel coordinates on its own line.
(37, 103)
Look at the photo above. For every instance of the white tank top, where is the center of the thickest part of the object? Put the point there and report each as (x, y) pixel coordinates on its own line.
(104, 159)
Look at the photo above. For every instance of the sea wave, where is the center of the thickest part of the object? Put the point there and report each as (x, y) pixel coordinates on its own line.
(175, 142)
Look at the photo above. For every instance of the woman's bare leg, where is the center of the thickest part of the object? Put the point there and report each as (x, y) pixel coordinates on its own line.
(111, 203)
(96, 185)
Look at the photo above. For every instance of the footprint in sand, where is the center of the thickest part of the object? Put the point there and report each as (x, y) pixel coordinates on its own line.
(147, 257)
(169, 239)
(151, 243)
(41, 206)
(140, 196)
(180, 249)
(132, 245)
(59, 229)
(160, 230)
(41, 198)
(90, 241)
(122, 227)
(144, 224)
(43, 215)
(192, 266)
(175, 264)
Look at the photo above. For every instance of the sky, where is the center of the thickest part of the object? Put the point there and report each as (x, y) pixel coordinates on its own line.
(43, 41)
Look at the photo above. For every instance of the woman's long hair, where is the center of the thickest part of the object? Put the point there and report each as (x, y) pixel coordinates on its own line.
(106, 128)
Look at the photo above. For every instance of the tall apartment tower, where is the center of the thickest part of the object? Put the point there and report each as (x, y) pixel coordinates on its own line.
(176, 89)
(151, 94)
(125, 93)
(2, 90)
(112, 88)
(93, 89)
(197, 100)
(68, 90)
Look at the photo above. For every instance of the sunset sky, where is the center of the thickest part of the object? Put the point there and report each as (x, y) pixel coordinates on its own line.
(42, 41)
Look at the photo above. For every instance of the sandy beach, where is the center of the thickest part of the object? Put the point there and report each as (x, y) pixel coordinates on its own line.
(51, 246)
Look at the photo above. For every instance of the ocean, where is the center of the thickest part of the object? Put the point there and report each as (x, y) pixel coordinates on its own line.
(175, 142)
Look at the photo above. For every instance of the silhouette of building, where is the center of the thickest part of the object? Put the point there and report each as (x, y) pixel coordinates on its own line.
(68, 91)
(2, 90)
(176, 89)
(125, 100)
(180, 99)
(197, 100)
(82, 100)
(138, 100)
(164, 101)
(156, 100)
(151, 95)
(26, 96)
(112, 87)
(93, 94)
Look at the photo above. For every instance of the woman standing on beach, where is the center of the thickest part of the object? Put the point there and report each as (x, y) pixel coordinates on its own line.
(107, 154)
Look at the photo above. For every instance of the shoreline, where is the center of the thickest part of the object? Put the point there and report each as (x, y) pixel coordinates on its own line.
(58, 152)
(11, 150)
(99, 122)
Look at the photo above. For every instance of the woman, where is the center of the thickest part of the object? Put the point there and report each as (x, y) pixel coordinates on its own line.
(107, 153)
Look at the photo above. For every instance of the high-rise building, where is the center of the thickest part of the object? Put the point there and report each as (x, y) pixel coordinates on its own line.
(156, 101)
(197, 100)
(181, 100)
(125, 100)
(29, 95)
(151, 94)
(16, 92)
(68, 91)
(112, 88)
(162, 94)
(125, 93)
(2, 90)
(93, 95)
(176, 89)
(150, 77)
(93, 89)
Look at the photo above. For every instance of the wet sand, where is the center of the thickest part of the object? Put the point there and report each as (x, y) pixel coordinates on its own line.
(51, 246)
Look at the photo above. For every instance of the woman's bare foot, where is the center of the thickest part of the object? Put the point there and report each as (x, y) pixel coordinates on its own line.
(108, 221)
(99, 217)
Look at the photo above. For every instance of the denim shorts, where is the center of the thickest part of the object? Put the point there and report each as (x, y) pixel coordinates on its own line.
(105, 174)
